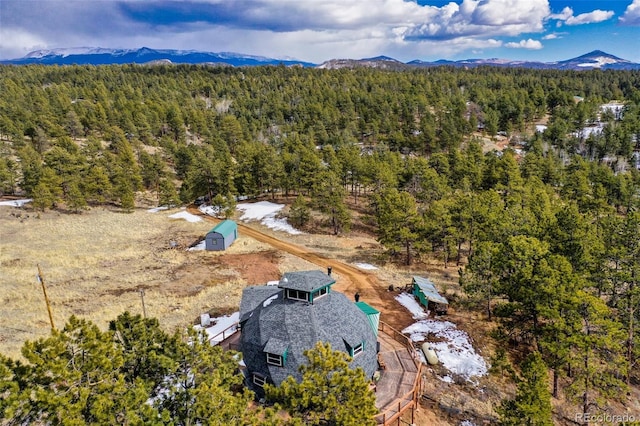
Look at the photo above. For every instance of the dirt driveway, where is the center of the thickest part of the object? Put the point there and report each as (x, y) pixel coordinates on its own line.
(351, 279)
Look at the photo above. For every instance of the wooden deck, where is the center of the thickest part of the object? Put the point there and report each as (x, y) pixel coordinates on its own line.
(399, 373)
(396, 391)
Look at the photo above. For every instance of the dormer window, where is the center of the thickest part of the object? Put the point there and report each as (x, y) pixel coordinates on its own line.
(354, 347)
(273, 359)
(319, 293)
(306, 286)
(357, 350)
(297, 295)
(276, 352)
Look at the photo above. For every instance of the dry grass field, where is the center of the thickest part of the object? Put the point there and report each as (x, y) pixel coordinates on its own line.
(95, 264)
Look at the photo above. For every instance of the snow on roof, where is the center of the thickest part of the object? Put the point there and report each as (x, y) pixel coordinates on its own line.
(429, 290)
(269, 300)
(266, 212)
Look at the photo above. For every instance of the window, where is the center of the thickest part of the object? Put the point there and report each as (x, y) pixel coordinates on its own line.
(259, 380)
(274, 359)
(297, 295)
(319, 293)
(357, 350)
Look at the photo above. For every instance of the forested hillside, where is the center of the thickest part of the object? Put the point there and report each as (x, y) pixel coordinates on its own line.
(547, 235)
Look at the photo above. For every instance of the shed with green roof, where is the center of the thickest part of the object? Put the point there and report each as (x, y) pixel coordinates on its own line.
(427, 294)
(222, 236)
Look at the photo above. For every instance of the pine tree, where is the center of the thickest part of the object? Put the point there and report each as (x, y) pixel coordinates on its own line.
(168, 195)
(398, 222)
(330, 392)
(204, 386)
(532, 403)
(73, 377)
(299, 214)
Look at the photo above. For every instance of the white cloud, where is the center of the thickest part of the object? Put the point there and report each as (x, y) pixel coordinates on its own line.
(566, 13)
(16, 42)
(509, 12)
(482, 18)
(552, 36)
(590, 18)
(631, 16)
(525, 44)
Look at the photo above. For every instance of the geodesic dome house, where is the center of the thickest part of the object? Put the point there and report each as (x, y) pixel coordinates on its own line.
(279, 323)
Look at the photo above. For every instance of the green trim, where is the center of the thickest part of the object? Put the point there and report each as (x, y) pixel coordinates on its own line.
(318, 290)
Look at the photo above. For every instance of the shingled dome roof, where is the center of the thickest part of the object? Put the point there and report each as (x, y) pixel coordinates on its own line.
(282, 329)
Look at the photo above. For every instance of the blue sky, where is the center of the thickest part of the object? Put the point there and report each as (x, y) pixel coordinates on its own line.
(318, 30)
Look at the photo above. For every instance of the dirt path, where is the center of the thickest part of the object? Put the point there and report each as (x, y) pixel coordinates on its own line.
(352, 280)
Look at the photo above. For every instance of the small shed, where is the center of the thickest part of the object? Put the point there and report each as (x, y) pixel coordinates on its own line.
(373, 315)
(427, 294)
(221, 237)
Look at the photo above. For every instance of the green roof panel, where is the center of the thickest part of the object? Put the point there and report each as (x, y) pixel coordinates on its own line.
(225, 228)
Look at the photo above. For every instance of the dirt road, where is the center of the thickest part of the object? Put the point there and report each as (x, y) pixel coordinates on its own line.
(351, 279)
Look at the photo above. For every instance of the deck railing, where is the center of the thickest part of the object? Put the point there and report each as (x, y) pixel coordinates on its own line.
(409, 400)
(399, 337)
(226, 333)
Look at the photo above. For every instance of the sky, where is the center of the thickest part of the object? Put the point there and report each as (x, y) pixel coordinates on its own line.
(319, 30)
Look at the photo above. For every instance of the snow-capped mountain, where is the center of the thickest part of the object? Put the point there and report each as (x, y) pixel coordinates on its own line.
(592, 60)
(381, 62)
(99, 56)
(598, 59)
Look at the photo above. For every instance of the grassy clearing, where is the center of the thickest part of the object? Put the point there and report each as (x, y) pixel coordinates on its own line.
(95, 265)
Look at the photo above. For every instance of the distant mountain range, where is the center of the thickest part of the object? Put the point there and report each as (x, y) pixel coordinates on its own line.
(592, 60)
(99, 56)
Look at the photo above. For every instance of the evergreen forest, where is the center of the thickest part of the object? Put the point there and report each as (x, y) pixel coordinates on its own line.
(545, 232)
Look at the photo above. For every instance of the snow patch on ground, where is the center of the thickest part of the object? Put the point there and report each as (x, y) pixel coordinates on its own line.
(158, 209)
(186, 216)
(366, 266)
(200, 246)
(265, 212)
(412, 305)
(446, 379)
(15, 203)
(214, 211)
(454, 350)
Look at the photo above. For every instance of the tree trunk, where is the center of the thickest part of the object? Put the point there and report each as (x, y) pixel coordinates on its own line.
(408, 247)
